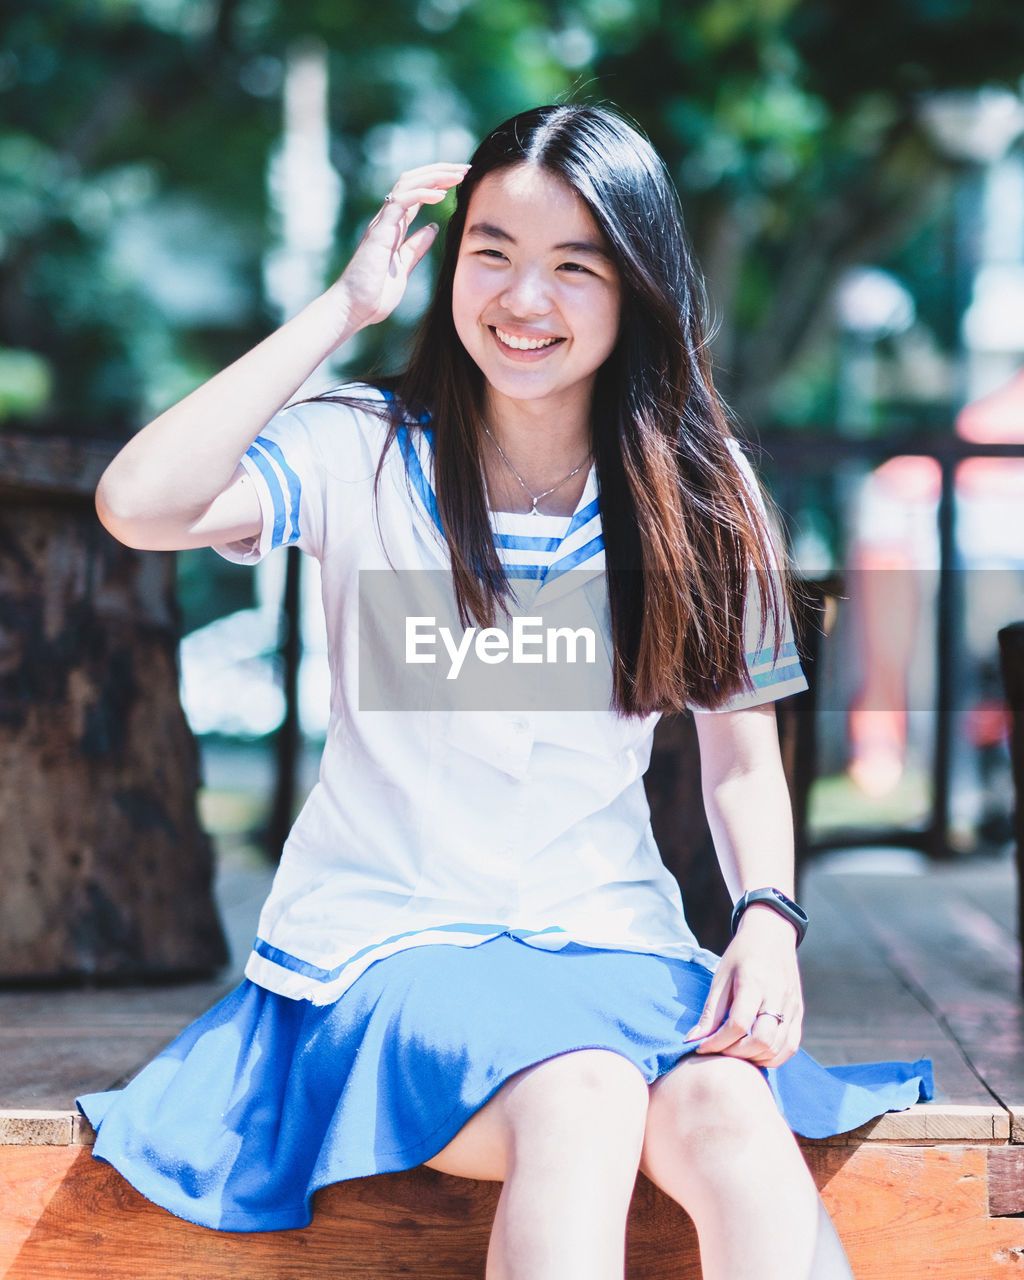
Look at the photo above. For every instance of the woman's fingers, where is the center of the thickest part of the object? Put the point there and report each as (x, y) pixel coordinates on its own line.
(732, 1024)
(754, 1008)
(764, 1039)
(416, 246)
(769, 1042)
(716, 1006)
(743, 1019)
(426, 185)
(372, 284)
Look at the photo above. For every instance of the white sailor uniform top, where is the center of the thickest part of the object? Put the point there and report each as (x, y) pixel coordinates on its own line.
(436, 820)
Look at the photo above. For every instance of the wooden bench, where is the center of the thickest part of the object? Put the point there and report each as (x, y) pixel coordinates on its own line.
(925, 966)
(936, 1192)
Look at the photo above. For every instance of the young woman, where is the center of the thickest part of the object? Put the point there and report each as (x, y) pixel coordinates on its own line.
(472, 956)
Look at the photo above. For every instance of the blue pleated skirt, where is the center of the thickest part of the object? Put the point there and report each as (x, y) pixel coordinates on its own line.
(264, 1099)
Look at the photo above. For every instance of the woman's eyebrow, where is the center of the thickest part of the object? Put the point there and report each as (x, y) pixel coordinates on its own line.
(583, 246)
(489, 230)
(492, 232)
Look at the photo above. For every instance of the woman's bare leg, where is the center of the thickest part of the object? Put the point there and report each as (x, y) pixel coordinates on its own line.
(565, 1138)
(715, 1143)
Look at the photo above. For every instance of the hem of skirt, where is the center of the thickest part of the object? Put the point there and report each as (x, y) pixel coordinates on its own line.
(270, 975)
(396, 1161)
(234, 1221)
(429, 1141)
(399, 1159)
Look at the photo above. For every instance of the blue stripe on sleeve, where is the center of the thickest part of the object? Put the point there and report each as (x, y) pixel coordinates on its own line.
(761, 656)
(274, 488)
(778, 675)
(293, 483)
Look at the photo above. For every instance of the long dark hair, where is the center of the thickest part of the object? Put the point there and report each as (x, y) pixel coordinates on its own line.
(683, 533)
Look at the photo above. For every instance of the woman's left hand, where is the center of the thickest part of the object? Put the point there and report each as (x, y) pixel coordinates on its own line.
(758, 977)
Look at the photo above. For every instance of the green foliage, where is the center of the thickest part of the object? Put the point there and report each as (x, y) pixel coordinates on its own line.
(127, 123)
(135, 137)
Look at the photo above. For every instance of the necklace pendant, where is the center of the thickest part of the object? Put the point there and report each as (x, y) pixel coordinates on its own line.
(533, 509)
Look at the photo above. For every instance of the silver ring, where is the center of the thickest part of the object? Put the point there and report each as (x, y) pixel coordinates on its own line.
(389, 198)
(767, 1013)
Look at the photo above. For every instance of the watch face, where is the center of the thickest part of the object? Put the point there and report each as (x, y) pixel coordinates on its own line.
(775, 898)
(782, 898)
(788, 902)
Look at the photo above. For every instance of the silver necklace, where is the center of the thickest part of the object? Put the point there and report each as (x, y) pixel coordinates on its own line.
(534, 498)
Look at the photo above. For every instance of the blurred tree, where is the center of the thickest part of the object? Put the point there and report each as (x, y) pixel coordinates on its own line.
(135, 136)
(134, 142)
(794, 130)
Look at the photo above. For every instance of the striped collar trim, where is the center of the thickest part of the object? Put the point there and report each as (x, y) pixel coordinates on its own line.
(581, 546)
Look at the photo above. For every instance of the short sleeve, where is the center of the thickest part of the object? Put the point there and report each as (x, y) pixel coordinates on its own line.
(773, 675)
(291, 464)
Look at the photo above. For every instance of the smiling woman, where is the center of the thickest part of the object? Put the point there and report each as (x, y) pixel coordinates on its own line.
(535, 300)
(472, 955)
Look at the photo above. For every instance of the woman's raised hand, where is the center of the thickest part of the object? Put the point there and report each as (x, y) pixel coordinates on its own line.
(372, 284)
(178, 483)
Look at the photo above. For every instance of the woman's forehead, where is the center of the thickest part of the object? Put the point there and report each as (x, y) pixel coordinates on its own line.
(533, 199)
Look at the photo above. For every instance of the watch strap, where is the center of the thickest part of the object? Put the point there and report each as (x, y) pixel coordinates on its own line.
(778, 902)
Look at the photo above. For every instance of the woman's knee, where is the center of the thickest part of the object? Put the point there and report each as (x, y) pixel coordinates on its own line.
(576, 1096)
(711, 1101)
(559, 1111)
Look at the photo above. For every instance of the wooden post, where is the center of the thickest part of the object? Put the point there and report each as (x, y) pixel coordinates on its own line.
(1011, 659)
(674, 791)
(681, 830)
(288, 739)
(106, 869)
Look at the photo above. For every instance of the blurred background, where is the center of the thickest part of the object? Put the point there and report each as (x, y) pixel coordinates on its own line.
(177, 176)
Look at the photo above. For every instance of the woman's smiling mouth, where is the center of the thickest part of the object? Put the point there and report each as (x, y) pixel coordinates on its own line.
(517, 343)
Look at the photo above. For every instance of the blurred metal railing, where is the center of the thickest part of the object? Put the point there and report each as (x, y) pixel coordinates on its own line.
(791, 457)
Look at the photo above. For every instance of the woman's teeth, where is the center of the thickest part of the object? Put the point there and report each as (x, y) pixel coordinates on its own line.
(524, 344)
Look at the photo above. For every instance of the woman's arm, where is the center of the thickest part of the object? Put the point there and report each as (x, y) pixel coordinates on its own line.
(178, 483)
(748, 808)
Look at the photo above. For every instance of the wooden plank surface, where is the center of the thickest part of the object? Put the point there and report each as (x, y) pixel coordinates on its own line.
(56, 1044)
(36, 1128)
(858, 1008)
(943, 937)
(930, 961)
(1006, 1182)
(932, 1124)
(66, 1215)
(920, 1212)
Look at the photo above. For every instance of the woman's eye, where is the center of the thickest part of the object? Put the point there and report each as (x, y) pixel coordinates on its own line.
(577, 268)
(494, 254)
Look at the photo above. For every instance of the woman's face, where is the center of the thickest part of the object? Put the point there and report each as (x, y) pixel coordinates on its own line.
(536, 295)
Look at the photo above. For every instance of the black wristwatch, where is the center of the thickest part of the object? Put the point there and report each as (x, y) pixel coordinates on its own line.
(778, 901)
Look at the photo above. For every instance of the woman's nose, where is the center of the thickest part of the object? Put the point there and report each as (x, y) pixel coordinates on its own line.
(526, 295)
